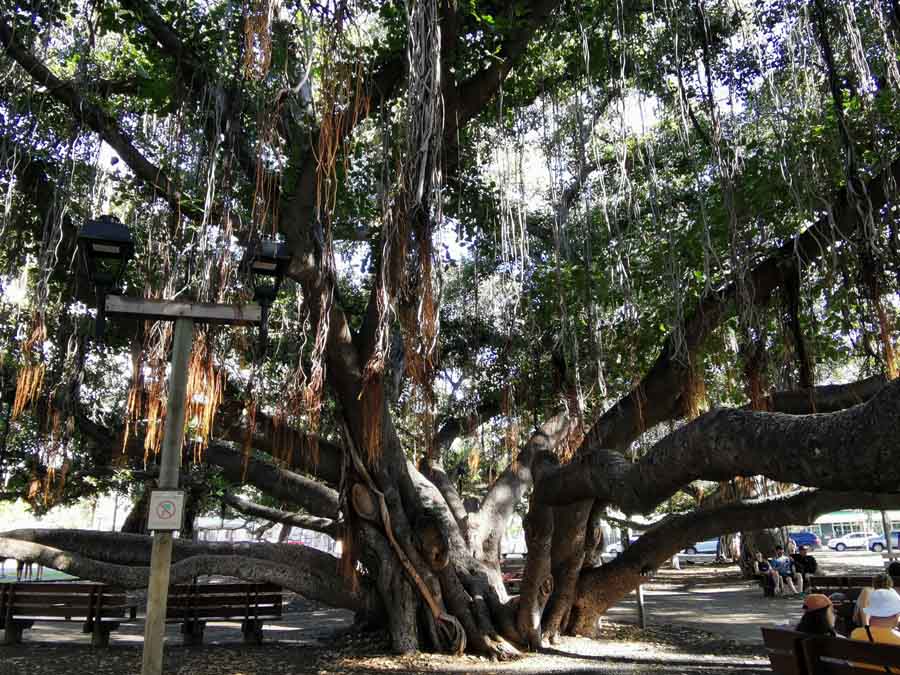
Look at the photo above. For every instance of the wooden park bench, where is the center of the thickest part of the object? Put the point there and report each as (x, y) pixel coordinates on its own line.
(194, 604)
(101, 608)
(832, 584)
(850, 586)
(793, 653)
(785, 651)
(835, 656)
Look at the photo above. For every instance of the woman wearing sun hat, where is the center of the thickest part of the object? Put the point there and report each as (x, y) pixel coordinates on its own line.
(883, 612)
(818, 616)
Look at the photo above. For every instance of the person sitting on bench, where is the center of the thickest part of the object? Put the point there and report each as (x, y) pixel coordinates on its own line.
(818, 616)
(772, 581)
(859, 617)
(783, 564)
(805, 565)
(883, 612)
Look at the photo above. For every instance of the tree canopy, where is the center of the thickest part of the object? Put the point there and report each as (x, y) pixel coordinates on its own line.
(532, 244)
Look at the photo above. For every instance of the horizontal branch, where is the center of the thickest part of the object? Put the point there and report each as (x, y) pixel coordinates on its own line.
(305, 574)
(275, 481)
(824, 398)
(317, 498)
(324, 465)
(248, 508)
(853, 449)
(602, 587)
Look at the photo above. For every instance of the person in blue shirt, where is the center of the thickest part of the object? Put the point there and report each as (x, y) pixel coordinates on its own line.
(784, 565)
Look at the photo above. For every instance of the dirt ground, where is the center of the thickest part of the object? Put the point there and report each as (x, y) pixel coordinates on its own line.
(702, 619)
(622, 649)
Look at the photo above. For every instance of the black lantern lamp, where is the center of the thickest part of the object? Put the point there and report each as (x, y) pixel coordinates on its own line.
(268, 262)
(105, 246)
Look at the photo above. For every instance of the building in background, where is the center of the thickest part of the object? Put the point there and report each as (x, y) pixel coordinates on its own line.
(838, 523)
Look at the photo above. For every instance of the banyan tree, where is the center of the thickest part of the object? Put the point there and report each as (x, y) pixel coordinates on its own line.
(547, 257)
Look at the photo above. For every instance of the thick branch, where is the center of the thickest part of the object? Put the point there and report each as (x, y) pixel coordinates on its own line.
(602, 587)
(452, 428)
(315, 497)
(654, 399)
(824, 398)
(305, 574)
(853, 449)
(194, 71)
(98, 120)
(475, 93)
(324, 465)
(245, 506)
(507, 492)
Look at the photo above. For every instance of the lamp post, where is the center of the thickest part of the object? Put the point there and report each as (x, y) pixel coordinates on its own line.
(106, 247)
(267, 261)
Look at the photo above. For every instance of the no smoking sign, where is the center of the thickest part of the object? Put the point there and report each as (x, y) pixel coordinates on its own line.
(166, 510)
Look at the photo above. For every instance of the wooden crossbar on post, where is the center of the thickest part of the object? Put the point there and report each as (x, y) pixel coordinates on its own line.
(170, 310)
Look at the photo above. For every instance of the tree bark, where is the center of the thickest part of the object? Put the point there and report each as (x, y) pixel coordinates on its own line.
(123, 560)
(602, 587)
(289, 520)
(813, 450)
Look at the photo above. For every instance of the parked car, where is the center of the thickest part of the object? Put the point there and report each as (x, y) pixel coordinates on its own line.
(852, 540)
(877, 543)
(806, 538)
(708, 546)
(616, 548)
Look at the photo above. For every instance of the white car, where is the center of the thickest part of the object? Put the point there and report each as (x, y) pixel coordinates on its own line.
(616, 548)
(852, 540)
(877, 544)
(705, 547)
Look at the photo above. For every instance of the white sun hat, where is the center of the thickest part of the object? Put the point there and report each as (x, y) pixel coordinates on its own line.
(883, 603)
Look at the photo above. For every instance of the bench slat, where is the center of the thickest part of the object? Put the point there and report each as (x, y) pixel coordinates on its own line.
(72, 600)
(219, 613)
(207, 589)
(43, 610)
(51, 587)
(226, 606)
(821, 581)
(817, 649)
(212, 601)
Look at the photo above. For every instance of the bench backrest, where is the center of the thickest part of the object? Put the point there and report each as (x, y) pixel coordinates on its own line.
(836, 656)
(244, 600)
(785, 653)
(842, 582)
(68, 600)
